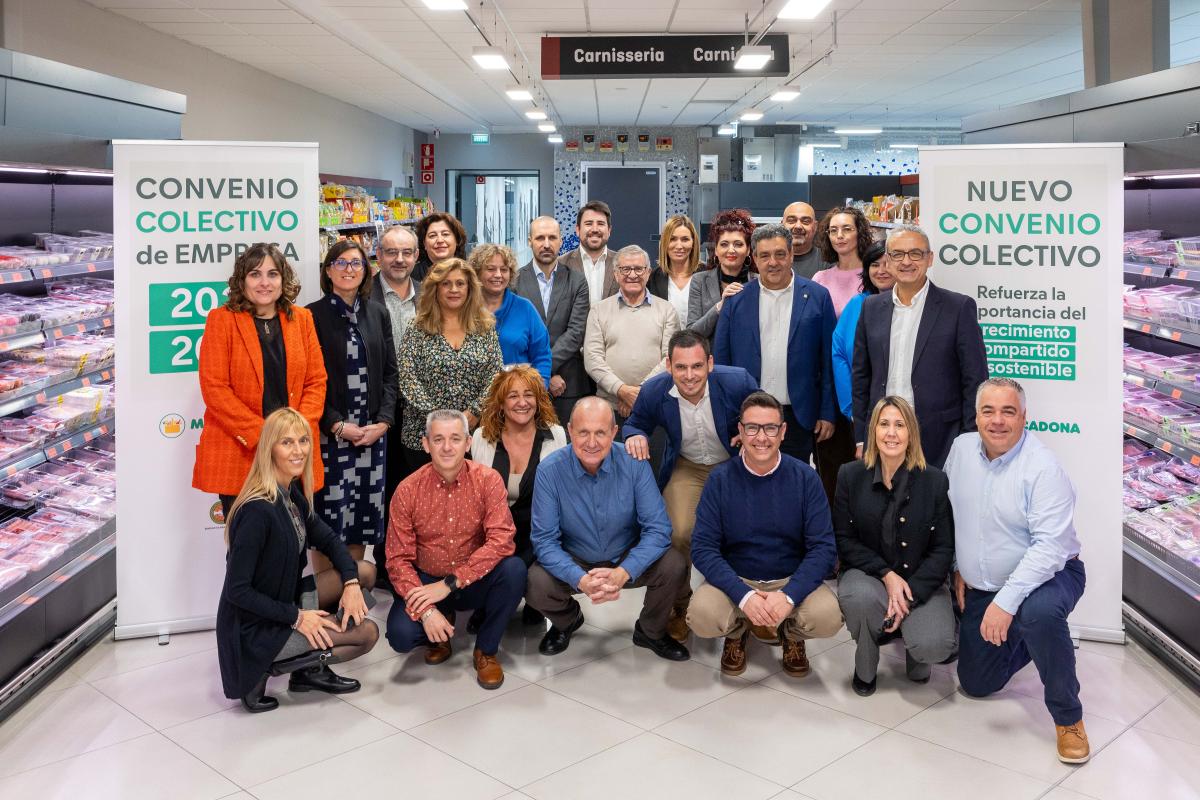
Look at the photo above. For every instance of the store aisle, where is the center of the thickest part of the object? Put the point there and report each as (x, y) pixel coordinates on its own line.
(133, 720)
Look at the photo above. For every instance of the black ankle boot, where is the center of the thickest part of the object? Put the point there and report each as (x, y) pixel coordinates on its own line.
(313, 658)
(321, 679)
(256, 702)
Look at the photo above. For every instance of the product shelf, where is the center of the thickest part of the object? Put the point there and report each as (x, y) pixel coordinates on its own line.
(348, 226)
(56, 447)
(1174, 391)
(1182, 274)
(1155, 439)
(1161, 331)
(11, 276)
(1171, 564)
(33, 398)
(35, 587)
(32, 338)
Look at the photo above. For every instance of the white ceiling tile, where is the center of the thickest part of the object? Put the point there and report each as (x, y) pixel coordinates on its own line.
(238, 16)
(302, 28)
(376, 13)
(241, 4)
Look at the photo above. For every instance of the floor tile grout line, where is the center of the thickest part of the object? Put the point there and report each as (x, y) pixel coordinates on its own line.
(847, 754)
(487, 698)
(856, 716)
(90, 680)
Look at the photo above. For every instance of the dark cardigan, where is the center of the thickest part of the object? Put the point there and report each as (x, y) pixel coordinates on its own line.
(924, 527)
(375, 330)
(260, 600)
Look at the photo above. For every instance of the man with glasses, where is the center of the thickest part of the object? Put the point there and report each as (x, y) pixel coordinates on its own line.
(396, 290)
(801, 220)
(763, 541)
(560, 296)
(780, 330)
(919, 342)
(627, 337)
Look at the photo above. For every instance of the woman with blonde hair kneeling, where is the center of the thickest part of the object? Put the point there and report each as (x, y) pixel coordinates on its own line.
(895, 540)
(270, 621)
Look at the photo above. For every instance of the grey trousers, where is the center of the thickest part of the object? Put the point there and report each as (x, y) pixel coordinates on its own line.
(930, 632)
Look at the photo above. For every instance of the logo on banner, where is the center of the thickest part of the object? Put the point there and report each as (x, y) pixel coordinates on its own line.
(171, 426)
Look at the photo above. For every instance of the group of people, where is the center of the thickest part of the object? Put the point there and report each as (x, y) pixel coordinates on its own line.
(420, 411)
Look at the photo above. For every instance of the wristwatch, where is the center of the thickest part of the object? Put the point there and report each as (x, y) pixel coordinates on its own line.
(451, 582)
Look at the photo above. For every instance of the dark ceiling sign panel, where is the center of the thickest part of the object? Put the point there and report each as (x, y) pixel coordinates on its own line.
(689, 56)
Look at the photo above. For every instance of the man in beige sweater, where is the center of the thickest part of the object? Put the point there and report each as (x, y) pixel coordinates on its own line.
(627, 335)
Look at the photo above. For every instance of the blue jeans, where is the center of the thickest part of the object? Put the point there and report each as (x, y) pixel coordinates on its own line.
(1038, 633)
(498, 593)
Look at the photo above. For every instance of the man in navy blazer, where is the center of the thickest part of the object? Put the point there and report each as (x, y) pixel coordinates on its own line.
(698, 405)
(780, 330)
(922, 343)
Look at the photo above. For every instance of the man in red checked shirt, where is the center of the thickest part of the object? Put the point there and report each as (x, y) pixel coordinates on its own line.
(450, 548)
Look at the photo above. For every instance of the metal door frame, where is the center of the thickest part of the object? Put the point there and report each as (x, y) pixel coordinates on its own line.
(584, 166)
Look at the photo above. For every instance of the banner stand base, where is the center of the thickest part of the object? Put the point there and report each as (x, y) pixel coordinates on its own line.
(165, 628)
(1094, 634)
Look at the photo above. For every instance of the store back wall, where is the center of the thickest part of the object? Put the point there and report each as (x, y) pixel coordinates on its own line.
(226, 100)
(506, 151)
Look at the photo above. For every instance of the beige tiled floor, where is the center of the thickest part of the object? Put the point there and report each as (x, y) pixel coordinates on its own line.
(133, 720)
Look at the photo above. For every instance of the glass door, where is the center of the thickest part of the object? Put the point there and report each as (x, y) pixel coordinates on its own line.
(496, 207)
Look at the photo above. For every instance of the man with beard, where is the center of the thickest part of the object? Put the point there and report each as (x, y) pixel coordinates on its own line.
(801, 220)
(560, 296)
(593, 259)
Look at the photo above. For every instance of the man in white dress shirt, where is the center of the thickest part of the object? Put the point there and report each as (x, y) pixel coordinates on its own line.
(593, 226)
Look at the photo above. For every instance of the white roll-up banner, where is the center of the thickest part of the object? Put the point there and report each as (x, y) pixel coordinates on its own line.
(183, 211)
(1033, 233)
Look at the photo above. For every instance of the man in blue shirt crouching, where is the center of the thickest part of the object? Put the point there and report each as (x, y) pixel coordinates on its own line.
(600, 525)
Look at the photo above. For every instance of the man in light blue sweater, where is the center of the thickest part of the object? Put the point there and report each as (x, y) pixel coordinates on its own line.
(763, 541)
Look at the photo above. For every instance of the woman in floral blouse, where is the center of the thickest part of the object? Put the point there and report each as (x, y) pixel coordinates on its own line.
(449, 353)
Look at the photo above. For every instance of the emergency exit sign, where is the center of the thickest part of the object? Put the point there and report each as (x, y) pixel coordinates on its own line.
(481, 138)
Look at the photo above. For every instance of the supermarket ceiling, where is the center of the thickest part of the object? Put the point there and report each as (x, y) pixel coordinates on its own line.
(895, 62)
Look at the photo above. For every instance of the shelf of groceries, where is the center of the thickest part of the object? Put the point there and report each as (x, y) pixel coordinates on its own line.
(352, 212)
(57, 451)
(1161, 470)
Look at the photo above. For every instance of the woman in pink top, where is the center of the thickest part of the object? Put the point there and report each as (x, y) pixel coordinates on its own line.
(844, 236)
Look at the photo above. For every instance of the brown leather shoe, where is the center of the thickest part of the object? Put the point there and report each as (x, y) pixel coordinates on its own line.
(437, 652)
(677, 627)
(766, 634)
(488, 672)
(795, 660)
(733, 657)
(1073, 743)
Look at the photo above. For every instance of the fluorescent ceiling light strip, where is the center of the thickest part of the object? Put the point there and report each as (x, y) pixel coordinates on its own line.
(904, 146)
(785, 96)
(546, 127)
(445, 5)
(752, 58)
(554, 138)
(490, 57)
(1173, 177)
(826, 145)
(857, 131)
(726, 130)
(518, 93)
(535, 113)
(751, 116)
(25, 169)
(800, 9)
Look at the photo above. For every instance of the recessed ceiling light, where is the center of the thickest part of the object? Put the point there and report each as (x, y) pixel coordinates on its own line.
(546, 127)
(800, 9)
(785, 96)
(895, 146)
(751, 116)
(535, 113)
(554, 138)
(445, 5)
(726, 130)
(755, 57)
(518, 93)
(857, 131)
(489, 57)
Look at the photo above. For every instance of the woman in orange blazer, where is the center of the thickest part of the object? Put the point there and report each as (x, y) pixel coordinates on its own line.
(260, 353)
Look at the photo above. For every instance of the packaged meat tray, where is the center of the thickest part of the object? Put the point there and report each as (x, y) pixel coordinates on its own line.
(11, 542)
(37, 555)
(11, 573)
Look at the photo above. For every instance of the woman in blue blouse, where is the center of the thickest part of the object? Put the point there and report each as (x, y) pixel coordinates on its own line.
(523, 335)
(875, 279)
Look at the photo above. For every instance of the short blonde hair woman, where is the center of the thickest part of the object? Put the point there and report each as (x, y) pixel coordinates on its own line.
(895, 539)
(270, 620)
(449, 353)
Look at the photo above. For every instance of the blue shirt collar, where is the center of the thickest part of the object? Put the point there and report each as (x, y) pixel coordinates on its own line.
(541, 276)
(645, 299)
(605, 465)
(1005, 459)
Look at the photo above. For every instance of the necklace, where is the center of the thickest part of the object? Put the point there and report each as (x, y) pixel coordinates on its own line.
(266, 325)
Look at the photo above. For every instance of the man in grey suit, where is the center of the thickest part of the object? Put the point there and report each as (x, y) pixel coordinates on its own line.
(560, 295)
(397, 291)
(592, 259)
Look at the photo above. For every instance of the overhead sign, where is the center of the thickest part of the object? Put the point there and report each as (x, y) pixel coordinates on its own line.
(481, 138)
(182, 212)
(1033, 234)
(687, 56)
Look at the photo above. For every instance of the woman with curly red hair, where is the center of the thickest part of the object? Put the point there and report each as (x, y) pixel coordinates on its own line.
(260, 354)
(728, 270)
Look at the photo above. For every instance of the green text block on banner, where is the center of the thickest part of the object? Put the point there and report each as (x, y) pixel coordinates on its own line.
(175, 351)
(185, 303)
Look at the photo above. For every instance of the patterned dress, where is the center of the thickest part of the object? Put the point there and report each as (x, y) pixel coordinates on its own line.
(352, 502)
(434, 375)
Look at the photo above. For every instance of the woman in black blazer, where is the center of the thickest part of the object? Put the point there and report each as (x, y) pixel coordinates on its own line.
(269, 619)
(360, 399)
(895, 539)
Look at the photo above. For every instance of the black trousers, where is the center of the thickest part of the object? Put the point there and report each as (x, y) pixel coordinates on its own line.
(833, 452)
(798, 441)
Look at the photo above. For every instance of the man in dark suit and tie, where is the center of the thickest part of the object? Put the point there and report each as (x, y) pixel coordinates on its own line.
(560, 295)
(922, 343)
(697, 404)
(780, 330)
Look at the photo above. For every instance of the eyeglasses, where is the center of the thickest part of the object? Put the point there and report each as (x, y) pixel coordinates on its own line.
(631, 270)
(348, 266)
(771, 429)
(910, 255)
(393, 252)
